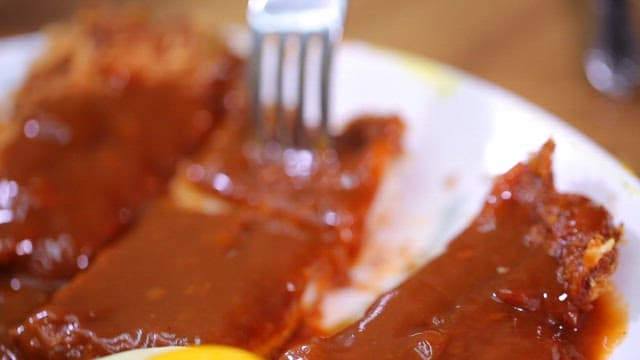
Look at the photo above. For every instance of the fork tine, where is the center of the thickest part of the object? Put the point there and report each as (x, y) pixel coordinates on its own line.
(255, 78)
(289, 19)
(282, 133)
(299, 129)
(325, 76)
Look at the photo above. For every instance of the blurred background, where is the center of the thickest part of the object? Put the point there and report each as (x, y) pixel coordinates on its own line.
(531, 47)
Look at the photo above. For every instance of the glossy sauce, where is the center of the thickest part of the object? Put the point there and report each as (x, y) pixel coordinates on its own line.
(504, 288)
(517, 284)
(333, 188)
(183, 277)
(99, 133)
(80, 172)
(97, 136)
(18, 296)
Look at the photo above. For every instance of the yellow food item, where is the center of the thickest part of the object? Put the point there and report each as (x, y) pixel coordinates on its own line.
(210, 352)
(206, 352)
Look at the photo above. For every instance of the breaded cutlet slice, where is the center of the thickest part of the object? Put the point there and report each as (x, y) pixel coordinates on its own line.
(99, 126)
(184, 276)
(93, 133)
(519, 283)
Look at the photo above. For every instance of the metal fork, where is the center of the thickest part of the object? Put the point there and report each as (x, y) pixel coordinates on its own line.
(301, 20)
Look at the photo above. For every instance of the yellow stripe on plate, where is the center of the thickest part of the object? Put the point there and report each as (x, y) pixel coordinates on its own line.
(444, 79)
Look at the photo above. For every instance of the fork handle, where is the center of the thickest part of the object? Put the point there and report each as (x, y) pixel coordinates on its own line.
(611, 63)
(615, 35)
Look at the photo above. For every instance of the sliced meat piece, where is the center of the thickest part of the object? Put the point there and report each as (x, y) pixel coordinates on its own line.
(239, 278)
(102, 121)
(97, 131)
(518, 283)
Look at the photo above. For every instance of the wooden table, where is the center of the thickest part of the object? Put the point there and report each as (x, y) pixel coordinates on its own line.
(532, 47)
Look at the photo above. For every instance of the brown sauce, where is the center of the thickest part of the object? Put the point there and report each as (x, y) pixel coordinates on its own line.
(514, 285)
(79, 182)
(99, 133)
(604, 327)
(333, 188)
(18, 296)
(525, 280)
(182, 277)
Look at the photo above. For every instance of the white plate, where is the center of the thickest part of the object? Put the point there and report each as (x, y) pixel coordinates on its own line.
(462, 131)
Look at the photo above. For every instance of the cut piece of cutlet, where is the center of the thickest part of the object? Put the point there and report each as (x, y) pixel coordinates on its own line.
(101, 122)
(519, 283)
(181, 278)
(95, 132)
(333, 188)
(238, 277)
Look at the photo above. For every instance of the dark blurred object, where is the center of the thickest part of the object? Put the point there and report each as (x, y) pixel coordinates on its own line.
(611, 63)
